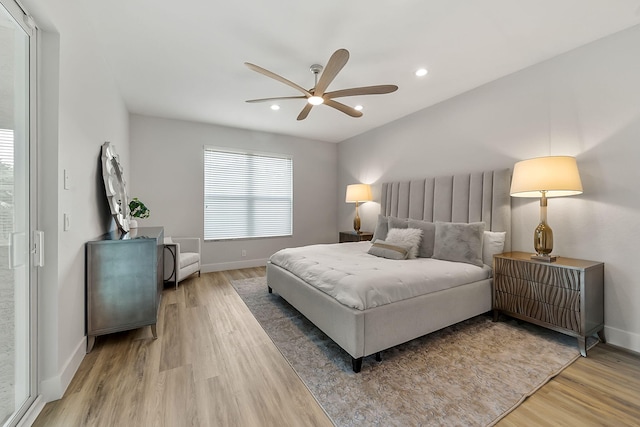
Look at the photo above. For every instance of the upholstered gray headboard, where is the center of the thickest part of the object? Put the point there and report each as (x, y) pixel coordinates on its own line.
(474, 197)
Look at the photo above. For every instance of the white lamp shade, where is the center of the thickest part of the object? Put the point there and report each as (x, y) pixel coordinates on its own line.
(358, 193)
(557, 176)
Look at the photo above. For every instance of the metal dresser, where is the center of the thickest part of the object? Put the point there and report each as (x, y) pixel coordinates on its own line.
(124, 281)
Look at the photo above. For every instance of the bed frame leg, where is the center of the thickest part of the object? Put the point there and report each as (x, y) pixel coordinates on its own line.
(270, 290)
(378, 357)
(356, 364)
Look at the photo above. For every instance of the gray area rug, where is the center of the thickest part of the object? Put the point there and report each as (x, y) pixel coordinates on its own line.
(469, 374)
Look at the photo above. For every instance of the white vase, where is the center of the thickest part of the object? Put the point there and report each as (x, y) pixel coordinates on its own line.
(133, 223)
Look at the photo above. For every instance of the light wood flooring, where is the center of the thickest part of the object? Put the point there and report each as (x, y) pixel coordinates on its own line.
(213, 365)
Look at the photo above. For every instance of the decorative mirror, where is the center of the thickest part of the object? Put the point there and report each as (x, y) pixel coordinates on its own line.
(115, 186)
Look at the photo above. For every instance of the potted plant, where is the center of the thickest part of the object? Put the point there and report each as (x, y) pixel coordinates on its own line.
(137, 209)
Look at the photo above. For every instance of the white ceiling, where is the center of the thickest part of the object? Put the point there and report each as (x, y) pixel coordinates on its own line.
(185, 59)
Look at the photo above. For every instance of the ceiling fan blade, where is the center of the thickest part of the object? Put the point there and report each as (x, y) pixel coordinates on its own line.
(337, 61)
(305, 111)
(344, 108)
(277, 77)
(276, 98)
(366, 90)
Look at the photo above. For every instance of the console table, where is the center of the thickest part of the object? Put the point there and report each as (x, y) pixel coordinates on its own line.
(123, 281)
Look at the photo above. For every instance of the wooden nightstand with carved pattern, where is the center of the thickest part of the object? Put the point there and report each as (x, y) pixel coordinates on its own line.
(566, 295)
(352, 236)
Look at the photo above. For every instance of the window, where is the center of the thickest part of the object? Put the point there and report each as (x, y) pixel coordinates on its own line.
(247, 195)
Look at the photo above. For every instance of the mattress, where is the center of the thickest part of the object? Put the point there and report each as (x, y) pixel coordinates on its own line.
(362, 281)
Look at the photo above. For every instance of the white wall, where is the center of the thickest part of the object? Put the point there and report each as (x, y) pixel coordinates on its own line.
(167, 175)
(80, 109)
(585, 103)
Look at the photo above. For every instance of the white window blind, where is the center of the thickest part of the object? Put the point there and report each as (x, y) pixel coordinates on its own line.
(247, 195)
(7, 183)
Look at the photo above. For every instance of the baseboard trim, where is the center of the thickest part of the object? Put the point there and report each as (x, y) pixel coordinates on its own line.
(235, 265)
(53, 388)
(32, 413)
(624, 339)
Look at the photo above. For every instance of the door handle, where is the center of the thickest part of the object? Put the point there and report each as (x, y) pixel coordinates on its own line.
(38, 248)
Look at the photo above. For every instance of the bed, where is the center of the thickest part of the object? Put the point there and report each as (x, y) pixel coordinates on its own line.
(373, 327)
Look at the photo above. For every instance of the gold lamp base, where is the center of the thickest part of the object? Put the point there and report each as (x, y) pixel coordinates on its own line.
(543, 236)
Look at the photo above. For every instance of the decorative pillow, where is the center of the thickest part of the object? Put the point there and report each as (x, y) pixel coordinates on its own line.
(459, 242)
(382, 228)
(492, 244)
(407, 237)
(398, 222)
(428, 236)
(389, 250)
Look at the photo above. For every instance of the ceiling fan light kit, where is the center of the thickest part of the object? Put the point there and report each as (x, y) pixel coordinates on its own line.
(318, 94)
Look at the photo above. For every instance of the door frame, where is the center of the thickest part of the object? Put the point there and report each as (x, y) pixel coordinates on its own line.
(25, 21)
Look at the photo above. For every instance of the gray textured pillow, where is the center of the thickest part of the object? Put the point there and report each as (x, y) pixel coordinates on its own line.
(398, 222)
(459, 242)
(382, 228)
(406, 236)
(389, 250)
(428, 237)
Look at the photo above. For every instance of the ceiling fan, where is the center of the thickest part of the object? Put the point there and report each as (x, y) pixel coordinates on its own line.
(318, 95)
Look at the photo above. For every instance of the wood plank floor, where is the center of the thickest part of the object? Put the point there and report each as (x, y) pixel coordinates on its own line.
(213, 365)
(600, 390)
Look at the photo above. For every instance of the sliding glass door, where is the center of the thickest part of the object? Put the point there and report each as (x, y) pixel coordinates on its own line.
(17, 352)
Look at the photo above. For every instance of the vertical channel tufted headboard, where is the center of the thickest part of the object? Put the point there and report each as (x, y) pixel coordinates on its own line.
(474, 197)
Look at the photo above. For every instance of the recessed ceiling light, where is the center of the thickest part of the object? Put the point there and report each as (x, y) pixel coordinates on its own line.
(358, 107)
(275, 107)
(421, 72)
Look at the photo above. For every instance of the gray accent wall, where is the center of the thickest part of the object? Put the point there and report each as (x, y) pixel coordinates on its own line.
(584, 103)
(167, 175)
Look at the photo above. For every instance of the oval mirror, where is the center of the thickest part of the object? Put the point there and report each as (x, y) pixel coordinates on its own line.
(115, 186)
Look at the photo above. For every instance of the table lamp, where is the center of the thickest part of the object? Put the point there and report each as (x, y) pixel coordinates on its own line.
(544, 177)
(358, 193)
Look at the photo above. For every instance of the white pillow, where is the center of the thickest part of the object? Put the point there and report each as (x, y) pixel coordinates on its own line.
(406, 236)
(492, 244)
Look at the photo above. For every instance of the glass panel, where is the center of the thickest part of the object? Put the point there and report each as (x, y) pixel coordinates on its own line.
(15, 358)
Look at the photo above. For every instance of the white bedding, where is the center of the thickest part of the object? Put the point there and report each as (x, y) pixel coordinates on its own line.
(360, 280)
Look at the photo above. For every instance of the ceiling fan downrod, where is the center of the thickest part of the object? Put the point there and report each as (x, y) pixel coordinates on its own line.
(315, 100)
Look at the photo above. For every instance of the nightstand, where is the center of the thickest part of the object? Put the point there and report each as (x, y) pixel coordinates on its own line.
(566, 296)
(352, 236)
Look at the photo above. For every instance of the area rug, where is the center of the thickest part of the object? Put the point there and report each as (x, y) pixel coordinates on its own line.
(469, 374)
